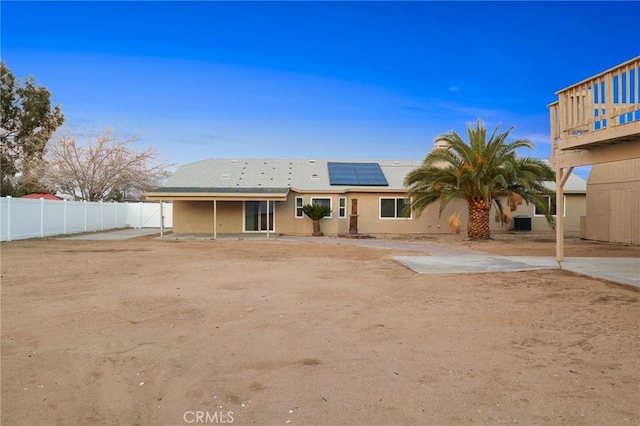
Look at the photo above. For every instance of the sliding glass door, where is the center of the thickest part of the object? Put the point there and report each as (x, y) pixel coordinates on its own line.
(256, 216)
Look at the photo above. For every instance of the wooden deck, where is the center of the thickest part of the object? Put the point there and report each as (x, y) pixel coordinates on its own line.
(598, 119)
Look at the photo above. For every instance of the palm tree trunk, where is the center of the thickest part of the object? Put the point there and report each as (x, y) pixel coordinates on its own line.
(478, 228)
(316, 229)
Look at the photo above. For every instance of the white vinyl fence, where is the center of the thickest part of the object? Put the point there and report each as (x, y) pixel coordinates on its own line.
(22, 218)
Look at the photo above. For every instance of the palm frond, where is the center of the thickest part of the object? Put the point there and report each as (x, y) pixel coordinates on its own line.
(484, 167)
(316, 211)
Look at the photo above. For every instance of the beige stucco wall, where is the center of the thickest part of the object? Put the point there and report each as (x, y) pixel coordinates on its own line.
(193, 217)
(196, 217)
(613, 202)
(576, 206)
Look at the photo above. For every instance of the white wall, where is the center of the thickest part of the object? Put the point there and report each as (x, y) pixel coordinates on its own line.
(22, 218)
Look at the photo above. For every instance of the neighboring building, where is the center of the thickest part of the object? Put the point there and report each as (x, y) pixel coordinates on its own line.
(597, 122)
(574, 207)
(613, 202)
(219, 196)
(44, 195)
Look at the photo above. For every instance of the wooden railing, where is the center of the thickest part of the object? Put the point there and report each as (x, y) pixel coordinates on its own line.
(591, 111)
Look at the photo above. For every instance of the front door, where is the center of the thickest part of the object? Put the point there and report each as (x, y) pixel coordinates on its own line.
(256, 216)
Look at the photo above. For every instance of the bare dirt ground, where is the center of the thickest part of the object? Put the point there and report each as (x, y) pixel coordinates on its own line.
(150, 332)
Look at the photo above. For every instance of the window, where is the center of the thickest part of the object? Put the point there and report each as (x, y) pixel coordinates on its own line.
(257, 217)
(552, 206)
(342, 207)
(394, 208)
(299, 204)
(323, 202)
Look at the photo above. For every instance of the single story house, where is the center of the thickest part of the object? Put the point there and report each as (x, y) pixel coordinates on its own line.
(230, 196)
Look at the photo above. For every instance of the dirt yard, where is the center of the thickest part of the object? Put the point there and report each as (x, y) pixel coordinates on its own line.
(150, 332)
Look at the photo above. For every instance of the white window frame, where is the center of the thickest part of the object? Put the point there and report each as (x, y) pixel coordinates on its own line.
(342, 207)
(564, 210)
(396, 217)
(298, 208)
(330, 204)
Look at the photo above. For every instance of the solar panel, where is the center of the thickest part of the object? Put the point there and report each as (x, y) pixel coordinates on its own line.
(360, 174)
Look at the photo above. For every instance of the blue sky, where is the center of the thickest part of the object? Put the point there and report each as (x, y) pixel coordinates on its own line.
(365, 80)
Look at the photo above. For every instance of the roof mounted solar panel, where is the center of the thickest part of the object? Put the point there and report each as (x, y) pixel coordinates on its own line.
(357, 174)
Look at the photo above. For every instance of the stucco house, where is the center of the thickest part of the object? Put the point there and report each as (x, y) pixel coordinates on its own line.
(230, 196)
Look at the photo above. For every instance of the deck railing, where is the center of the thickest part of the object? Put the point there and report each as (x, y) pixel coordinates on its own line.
(598, 104)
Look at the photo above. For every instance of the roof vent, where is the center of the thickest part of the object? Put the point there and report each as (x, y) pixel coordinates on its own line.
(396, 163)
(314, 176)
(234, 161)
(312, 161)
(224, 176)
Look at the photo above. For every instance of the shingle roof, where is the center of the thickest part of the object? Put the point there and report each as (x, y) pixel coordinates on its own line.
(303, 174)
(575, 184)
(226, 174)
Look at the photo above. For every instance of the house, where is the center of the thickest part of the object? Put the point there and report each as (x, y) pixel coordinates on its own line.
(597, 122)
(613, 202)
(221, 196)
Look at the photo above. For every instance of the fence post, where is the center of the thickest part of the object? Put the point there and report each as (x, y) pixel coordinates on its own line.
(140, 217)
(9, 217)
(85, 215)
(41, 217)
(101, 215)
(64, 214)
(115, 223)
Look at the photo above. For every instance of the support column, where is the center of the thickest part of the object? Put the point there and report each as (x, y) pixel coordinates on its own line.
(268, 221)
(561, 179)
(215, 219)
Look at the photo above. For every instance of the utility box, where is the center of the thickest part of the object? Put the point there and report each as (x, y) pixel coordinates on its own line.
(522, 223)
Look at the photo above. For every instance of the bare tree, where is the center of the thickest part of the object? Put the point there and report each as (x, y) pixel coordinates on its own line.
(99, 167)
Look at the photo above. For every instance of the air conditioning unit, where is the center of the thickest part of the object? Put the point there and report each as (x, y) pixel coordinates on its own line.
(522, 223)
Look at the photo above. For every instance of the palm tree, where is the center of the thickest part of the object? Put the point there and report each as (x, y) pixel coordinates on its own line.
(315, 213)
(482, 172)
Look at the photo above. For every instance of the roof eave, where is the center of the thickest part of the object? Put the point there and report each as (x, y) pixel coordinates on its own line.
(277, 194)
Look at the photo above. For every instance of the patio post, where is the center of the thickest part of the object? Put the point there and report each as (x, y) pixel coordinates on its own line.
(561, 179)
(215, 220)
(267, 219)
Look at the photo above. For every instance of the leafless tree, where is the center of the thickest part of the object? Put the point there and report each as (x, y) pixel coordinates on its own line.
(101, 166)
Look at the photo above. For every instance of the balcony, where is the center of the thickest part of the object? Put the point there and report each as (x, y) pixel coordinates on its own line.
(598, 119)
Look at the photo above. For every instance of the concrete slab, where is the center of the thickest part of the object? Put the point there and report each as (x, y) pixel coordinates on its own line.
(620, 270)
(120, 234)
